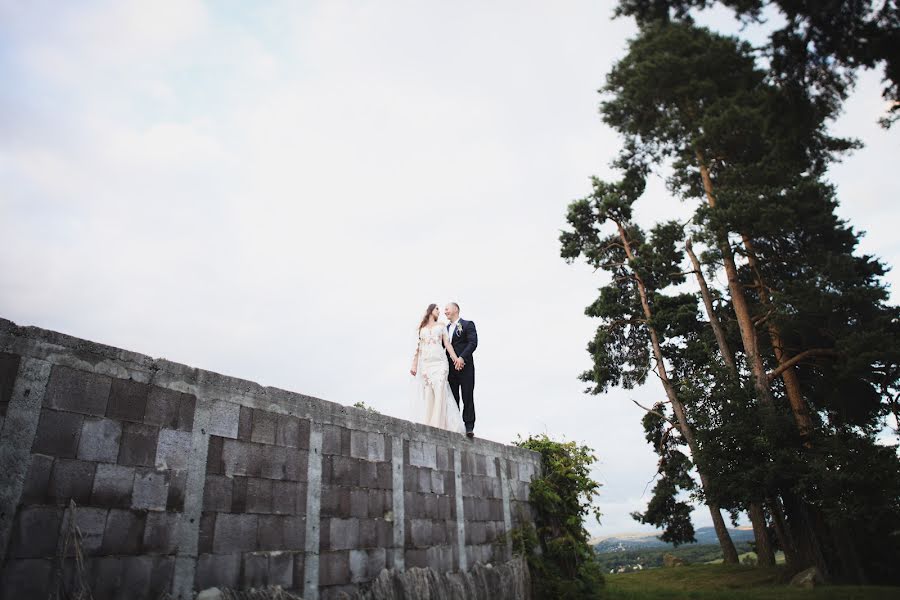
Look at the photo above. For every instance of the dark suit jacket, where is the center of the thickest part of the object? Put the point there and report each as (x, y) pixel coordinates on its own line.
(464, 343)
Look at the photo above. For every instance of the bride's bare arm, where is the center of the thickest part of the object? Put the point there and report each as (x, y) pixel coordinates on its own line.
(448, 346)
(415, 363)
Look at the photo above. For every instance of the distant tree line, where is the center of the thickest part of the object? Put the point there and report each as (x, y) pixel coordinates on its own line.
(778, 381)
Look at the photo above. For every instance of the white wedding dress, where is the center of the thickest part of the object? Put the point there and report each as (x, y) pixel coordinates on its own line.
(437, 406)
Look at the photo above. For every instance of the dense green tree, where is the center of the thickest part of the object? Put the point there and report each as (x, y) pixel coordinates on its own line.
(819, 48)
(807, 345)
(637, 319)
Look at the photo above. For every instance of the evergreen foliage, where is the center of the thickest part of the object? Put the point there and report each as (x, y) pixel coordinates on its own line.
(561, 560)
(779, 390)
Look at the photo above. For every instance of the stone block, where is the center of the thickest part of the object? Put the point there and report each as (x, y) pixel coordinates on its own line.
(292, 432)
(422, 454)
(368, 474)
(437, 482)
(91, 522)
(475, 532)
(218, 570)
(384, 531)
(162, 570)
(288, 498)
(335, 501)
(467, 462)
(410, 479)
(161, 533)
(380, 502)
(37, 482)
(112, 486)
(124, 532)
(99, 440)
(239, 494)
(175, 498)
(173, 448)
(137, 572)
(217, 493)
(138, 447)
(9, 369)
(77, 391)
(106, 577)
(481, 464)
(368, 533)
(424, 481)
(359, 503)
(419, 532)
(334, 568)
(224, 419)
(440, 558)
(29, 578)
(71, 479)
(446, 507)
(343, 534)
(245, 423)
(277, 532)
(442, 459)
(344, 471)
(429, 507)
(35, 532)
(256, 570)
(207, 532)
(365, 565)
(367, 445)
(57, 434)
(281, 569)
(127, 400)
(235, 533)
(236, 458)
(169, 409)
(416, 557)
(331, 440)
(467, 482)
(449, 483)
(263, 429)
(151, 490)
(214, 461)
(283, 463)
(259, 495)
(385, 476)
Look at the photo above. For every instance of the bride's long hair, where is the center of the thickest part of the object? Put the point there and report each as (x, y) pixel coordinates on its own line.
(427, 316)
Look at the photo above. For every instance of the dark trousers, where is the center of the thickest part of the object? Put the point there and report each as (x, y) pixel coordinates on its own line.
(464, 380)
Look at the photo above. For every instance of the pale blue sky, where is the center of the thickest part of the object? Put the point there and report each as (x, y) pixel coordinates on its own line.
(277, 190)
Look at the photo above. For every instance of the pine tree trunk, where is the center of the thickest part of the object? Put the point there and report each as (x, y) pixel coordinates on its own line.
(729, 552)
(765, 555)
(785, 539)
(721, 340)
(808, 545)
(739, 303)
(791, 382)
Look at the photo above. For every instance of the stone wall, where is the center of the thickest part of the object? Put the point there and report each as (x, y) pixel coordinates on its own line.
(180, 479)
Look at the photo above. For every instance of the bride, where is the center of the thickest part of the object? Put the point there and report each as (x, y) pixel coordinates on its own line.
(430, 367)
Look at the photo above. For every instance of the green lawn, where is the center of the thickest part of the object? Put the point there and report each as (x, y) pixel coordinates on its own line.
(724, 582)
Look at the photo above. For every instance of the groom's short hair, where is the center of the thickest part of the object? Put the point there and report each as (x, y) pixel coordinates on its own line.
(455, 304)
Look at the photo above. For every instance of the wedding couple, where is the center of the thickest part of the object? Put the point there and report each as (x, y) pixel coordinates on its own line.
(443, 366)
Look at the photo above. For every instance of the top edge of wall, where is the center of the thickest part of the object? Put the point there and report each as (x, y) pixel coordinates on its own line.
(61, 349)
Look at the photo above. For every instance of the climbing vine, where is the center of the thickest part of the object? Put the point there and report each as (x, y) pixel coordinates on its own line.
(559, 555)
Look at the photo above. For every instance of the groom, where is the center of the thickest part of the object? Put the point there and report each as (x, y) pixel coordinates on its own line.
(462, 372)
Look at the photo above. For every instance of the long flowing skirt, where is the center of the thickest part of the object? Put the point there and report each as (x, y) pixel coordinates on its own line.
(438, 407)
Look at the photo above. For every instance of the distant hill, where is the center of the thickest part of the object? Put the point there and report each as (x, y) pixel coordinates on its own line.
(628, 543)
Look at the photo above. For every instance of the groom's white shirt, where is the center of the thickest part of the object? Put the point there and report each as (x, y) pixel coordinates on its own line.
(452, 328)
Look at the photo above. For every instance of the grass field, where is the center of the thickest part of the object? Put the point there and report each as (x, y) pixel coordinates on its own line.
(724, 582)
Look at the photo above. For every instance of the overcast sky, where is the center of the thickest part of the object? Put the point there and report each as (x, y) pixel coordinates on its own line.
(276, 191)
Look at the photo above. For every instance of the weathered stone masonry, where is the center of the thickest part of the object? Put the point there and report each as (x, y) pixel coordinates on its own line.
(184, 479)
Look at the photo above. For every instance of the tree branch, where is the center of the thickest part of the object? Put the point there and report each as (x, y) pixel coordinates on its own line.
(800, 357)
(657, 413)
